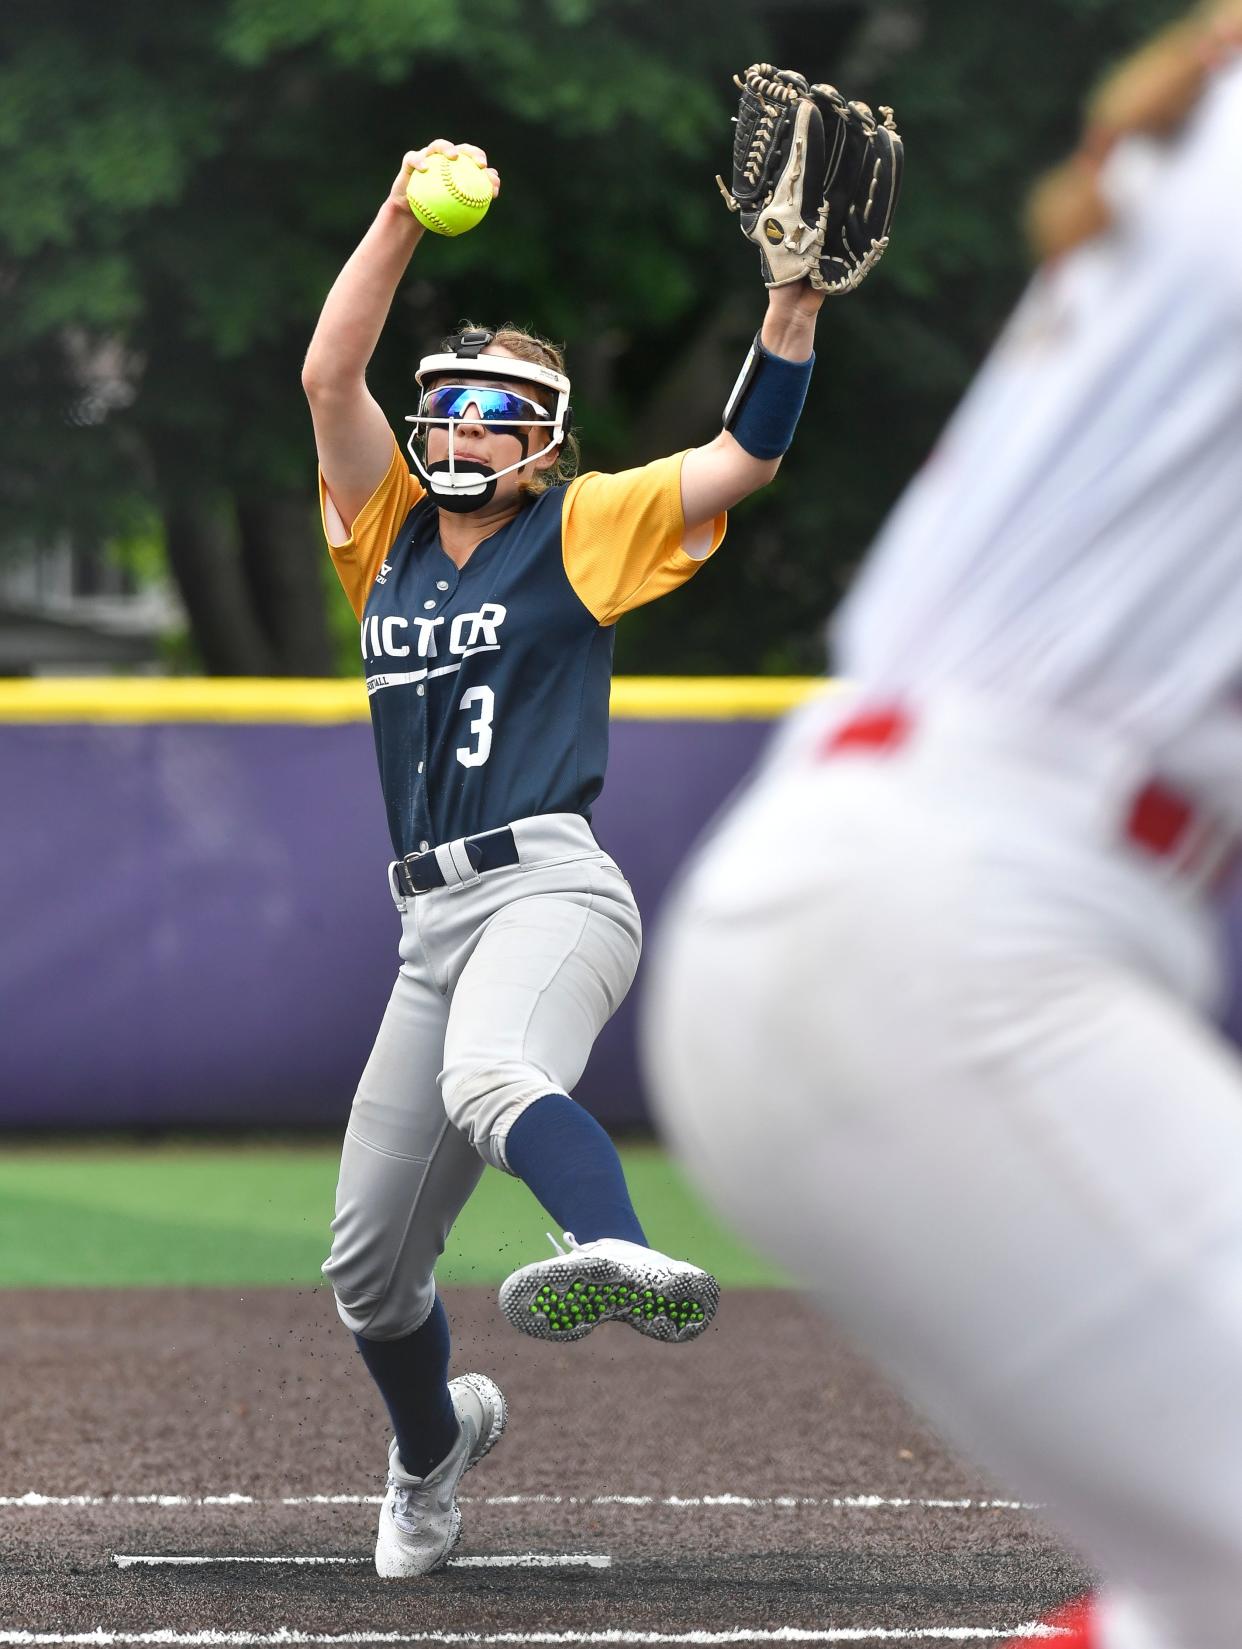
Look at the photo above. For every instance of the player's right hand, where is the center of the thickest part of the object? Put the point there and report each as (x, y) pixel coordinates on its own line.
(416, 160)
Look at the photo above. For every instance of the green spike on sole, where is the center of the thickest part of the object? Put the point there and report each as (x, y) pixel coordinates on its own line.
(566, 1303)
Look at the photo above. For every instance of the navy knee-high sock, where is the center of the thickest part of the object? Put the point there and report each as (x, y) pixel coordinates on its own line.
(571, 1165)
(412, 1375)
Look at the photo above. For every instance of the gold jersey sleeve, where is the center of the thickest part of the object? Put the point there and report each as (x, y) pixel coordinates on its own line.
(621, 538)
(375, 528)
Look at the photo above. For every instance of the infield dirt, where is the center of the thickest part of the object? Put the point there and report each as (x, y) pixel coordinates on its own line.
(724, 1479)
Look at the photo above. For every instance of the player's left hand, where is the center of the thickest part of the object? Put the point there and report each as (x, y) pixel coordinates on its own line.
(815, 179)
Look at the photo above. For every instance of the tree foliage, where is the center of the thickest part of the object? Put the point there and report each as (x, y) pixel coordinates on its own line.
(179, 185)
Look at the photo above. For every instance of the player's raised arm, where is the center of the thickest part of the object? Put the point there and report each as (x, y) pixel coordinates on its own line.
(815, 181)
(352, 434)
(774, 380)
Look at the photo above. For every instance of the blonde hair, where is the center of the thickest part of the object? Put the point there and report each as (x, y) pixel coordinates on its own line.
(1149, 94)
(525, 345)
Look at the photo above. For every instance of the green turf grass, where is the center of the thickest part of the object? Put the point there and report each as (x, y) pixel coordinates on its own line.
(245, 1215)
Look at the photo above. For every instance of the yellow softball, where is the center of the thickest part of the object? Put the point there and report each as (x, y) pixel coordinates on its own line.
(451, 196)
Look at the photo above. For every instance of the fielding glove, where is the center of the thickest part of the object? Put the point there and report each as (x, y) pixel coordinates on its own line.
(815, 179)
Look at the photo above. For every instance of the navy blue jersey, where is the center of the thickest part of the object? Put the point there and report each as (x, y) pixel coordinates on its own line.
(489, 683)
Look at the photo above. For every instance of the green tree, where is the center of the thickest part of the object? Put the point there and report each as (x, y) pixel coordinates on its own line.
(987, 97)
(179, 185)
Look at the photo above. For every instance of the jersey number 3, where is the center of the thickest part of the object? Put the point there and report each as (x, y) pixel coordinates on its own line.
(481, 726)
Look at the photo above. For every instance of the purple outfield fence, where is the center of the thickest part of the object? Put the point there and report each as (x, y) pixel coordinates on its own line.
(196, 924)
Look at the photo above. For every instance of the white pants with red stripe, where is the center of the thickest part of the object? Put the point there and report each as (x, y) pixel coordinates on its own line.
(931, 1031)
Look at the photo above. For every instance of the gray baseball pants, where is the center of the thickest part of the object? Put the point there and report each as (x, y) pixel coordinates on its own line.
(506, 979)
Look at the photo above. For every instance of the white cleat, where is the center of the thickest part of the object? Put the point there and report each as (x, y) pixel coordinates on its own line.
(420, 1521)
(609, 1280)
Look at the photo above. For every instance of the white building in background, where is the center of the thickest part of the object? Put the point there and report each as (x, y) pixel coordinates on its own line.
(65, 610)
(65, 607)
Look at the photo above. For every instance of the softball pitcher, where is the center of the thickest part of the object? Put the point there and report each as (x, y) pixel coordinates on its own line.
(932, 1017)
(487, 583)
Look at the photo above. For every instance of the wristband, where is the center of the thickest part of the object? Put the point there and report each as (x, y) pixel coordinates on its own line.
(766, 402)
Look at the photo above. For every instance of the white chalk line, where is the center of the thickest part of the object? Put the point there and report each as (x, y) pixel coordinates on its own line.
(500, 1560)
(100, 1639)
(33, 1501)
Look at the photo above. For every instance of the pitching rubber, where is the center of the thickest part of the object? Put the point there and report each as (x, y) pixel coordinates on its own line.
(563, 1299)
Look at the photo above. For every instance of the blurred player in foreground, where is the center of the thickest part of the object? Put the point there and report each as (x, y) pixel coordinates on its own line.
(931, 1016)
(487, 586)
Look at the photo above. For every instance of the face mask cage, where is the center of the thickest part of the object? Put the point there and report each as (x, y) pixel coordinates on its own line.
(463, 475)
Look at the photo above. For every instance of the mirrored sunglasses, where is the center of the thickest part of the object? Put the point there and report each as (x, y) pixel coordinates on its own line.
(494, 406)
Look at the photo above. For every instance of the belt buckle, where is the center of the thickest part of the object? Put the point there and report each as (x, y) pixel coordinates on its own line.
(404, 868)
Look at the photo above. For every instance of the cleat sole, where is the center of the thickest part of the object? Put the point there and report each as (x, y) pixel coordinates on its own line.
(563, 1299)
